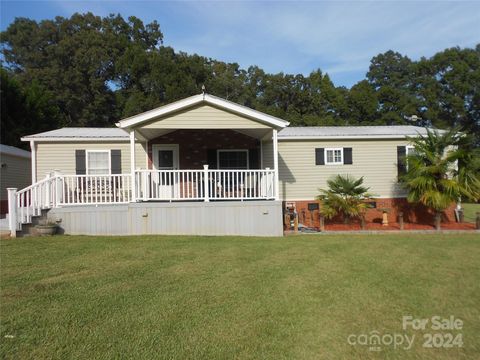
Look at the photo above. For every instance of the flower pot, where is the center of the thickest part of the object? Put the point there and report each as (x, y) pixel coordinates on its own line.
(46, 230)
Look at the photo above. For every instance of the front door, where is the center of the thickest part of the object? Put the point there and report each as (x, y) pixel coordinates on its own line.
(165, 158)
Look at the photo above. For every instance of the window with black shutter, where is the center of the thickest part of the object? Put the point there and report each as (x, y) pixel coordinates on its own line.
(401, 161)
(347, 156)
(319, 156)
(80, 162)
(116, 161)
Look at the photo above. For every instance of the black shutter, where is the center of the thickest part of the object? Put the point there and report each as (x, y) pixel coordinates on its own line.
(116, 161)
(319, 156)
(347, 156)
(401, 161)
(253, 162)
(212, 158)
(80, 162)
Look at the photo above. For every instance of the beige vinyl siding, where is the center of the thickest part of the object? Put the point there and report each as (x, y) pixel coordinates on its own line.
(267, 148)
(375, 160)
(205, 117)
(15, 172)
(61, 155)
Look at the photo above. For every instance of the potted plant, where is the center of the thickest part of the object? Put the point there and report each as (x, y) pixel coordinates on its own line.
(46, 228)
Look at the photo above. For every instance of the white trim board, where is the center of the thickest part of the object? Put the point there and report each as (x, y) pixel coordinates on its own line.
(75, 139)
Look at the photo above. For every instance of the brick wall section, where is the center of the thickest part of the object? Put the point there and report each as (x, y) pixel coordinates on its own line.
(411, 213)
(193, 144)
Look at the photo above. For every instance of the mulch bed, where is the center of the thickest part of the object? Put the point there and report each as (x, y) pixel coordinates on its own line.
(395, 226)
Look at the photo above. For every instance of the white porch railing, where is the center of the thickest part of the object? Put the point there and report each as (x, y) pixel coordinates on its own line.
(95, 189)
(178, 185)
(163, 185)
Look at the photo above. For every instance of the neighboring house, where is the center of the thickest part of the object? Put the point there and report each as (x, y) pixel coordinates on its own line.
(14, 172)
(205, 165)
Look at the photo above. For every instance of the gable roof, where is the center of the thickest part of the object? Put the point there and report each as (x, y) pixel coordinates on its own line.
(199, 100)
(80, 134)
(351, 132)
(14, 151)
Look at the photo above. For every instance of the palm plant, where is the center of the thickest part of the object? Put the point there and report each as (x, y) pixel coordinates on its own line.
(345, 195)
(441, 171)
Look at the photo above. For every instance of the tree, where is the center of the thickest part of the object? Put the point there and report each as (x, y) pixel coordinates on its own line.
(390, 74)
(362, 104)
(448, 86)
(25, 110)
(433, 177)
(95, 70)
(75, 60)
(346, 196)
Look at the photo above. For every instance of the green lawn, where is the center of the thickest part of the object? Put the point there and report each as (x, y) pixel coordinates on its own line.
(471, 211)
(223, 298)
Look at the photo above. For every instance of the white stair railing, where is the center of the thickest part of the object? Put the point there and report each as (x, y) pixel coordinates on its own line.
(29, 202)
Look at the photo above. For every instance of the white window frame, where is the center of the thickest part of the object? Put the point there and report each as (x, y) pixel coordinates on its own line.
(408, 148)
(99, 151)
(333, 162)
(232, 150)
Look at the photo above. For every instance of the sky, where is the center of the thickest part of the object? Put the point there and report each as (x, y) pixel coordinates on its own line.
(339, 37)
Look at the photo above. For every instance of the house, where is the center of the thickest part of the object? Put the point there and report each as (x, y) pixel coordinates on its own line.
(14, 172)
(202, 165)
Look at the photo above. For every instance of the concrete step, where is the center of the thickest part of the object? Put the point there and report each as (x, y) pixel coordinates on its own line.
(29, 229)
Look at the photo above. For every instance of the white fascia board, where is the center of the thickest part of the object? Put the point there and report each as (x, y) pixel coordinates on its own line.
(73, 139)
(346, 137)
(198, 99)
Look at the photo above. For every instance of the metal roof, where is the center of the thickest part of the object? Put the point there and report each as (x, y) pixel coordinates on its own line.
(386, 131)
(76, 133)
(304, 132)
(11, 150)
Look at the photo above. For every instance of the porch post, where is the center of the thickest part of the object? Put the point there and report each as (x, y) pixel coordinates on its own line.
(12, 212)
(275, 163)
(33, 161)
(261, 154)
(48, 194)
(58, 198)
(132, 163)
(205, 183)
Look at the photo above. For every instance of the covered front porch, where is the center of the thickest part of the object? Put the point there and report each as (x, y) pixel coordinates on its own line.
(204, 149)
(201, 164)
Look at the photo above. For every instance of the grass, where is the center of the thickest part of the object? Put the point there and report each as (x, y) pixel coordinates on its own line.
(470, 211)
(223, 298)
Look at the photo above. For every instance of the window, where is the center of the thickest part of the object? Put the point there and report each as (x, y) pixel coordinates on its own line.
(98, 162)
(165, 159)
(232, 159)
(334, 156)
